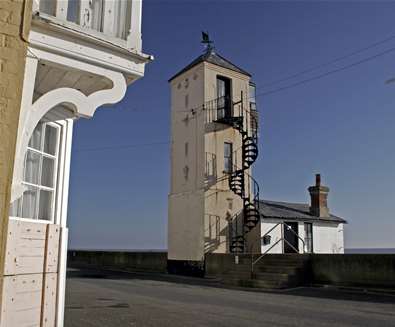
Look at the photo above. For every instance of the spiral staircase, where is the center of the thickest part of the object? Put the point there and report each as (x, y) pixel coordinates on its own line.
(240, 181)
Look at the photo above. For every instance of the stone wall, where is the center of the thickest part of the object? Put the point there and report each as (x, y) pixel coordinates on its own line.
(117, 260)
(359, 270)
(15, 18)
(351, 270)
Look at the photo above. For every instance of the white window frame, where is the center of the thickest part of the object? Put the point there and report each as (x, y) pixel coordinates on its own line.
(54, 189)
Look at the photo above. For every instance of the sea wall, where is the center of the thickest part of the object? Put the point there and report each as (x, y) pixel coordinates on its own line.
(119, 260)
(359, 270)
(353, 270)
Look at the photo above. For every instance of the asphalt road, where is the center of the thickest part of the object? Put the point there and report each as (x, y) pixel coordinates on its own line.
(112, 300)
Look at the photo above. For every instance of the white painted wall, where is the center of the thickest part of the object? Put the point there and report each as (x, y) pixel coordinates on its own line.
(186, 226)
(69, 74)
(327, 237)
(273, 229)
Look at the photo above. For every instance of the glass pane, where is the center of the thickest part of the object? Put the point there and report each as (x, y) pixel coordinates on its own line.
(29, 203)
(73, 11)
(47, 172)
(252, 93)
(35, 140)
(45, 208)
(227, 166)
(51, 138)
(48, 7)
(220, 88)
(228, 149)
(32, 166)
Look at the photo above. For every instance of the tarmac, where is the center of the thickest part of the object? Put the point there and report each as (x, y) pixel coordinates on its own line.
(112, 299)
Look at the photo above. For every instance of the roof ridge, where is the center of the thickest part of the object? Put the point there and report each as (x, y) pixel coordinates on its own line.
(214, 58)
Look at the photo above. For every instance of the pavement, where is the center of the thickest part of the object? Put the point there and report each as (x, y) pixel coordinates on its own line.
(110, 299)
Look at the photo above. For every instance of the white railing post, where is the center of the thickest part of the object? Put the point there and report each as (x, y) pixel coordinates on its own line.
(61, 9)
(134, 37)
(86, 13)
(109, 17)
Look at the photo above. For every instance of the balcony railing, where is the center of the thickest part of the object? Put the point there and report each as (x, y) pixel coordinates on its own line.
(114, 20)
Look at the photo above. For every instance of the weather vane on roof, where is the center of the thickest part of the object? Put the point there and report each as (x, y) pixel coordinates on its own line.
(207, 42)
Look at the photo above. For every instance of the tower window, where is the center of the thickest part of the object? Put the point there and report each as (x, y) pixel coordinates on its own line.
(252, 96)
(224, 97)
(228, 162)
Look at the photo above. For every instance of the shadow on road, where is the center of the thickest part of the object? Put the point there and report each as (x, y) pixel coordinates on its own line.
(313, 292)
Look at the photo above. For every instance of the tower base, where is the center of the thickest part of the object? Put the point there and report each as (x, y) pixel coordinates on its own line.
(186, 267)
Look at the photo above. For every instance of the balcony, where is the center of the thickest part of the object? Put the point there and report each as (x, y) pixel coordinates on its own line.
(113, 21)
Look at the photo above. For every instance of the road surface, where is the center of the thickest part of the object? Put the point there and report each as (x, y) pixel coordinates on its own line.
(115, 299)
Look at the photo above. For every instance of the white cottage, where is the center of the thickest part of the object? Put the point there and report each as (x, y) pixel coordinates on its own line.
(82, 55)
(301, 227)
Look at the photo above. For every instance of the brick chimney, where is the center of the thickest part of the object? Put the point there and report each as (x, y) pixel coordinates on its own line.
(319, 198)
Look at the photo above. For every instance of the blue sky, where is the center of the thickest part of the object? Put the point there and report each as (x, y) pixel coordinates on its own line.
(341, 125)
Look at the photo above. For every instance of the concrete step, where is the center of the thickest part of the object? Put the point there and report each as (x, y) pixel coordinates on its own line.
(278, 269)
(273, 276)
(274, 258)
(272, 271)
(279, 260)
(255, 283)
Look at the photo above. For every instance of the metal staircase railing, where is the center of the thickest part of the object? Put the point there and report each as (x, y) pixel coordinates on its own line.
(283, 225)
(239, 116)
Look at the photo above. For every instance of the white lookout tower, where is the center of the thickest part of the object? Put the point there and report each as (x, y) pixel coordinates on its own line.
(213, 201)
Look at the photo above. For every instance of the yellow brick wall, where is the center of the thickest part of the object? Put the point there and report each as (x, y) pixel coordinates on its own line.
(15, 19)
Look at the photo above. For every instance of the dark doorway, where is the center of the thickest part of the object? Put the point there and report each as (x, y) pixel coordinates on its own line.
(308, 237)
(291, 242)
(224, 97)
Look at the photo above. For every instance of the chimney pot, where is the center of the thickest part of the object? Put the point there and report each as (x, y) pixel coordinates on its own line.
(317, 179)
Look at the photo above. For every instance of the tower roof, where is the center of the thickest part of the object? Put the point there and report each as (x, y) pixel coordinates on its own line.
(214, 58)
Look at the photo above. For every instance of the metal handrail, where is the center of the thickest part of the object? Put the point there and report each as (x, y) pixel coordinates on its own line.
(254, 262)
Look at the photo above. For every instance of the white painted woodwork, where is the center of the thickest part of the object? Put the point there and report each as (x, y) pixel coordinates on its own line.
(21, 301)
(134, 37)
(61, 9)
(48, 315)
(42, 72)
(51, 254)
(97, 15)
(62, 220)
(32, 247)
(85, 13)
(109, 17)
(84, 106)
(72, 68)
(118, 20)
(25, 247)
(62, 277)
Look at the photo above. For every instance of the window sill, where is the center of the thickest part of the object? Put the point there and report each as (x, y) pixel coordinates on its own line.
(29, 220)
